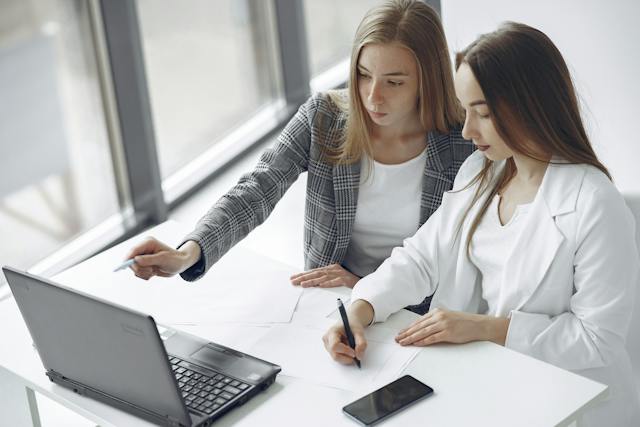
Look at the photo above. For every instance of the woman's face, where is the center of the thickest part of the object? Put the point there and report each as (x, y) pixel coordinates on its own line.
(478, 124)
(388, 84)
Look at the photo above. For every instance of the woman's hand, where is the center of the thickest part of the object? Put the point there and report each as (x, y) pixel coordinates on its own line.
(454, 327)
(154, 258)
(330, 276)
(360, 313)
(335, 342)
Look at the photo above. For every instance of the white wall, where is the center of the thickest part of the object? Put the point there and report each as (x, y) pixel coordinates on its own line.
(600, 41)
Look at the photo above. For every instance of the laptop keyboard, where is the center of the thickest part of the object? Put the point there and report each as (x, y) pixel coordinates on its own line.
(204, 393)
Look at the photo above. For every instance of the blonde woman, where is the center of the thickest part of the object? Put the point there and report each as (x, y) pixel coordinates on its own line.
(378, 157)
(534, 248)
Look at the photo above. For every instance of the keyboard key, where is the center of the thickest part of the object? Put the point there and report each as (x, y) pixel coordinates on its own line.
(235, 383)
(226, 395)
(243, 386)
(232, 390)
(227, 380)
(215, 406)
(198, 401)
(220, 401)
(216, 391)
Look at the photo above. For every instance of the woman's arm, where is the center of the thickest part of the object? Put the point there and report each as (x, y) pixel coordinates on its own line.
(253, 198)
(426, 259)
(454, 327)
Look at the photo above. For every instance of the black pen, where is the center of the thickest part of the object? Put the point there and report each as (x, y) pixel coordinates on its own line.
(347, 329)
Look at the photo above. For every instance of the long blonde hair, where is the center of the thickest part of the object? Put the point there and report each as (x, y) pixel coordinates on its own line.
(417, 27)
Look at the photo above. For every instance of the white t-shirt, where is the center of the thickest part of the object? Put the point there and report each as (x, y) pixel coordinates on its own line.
(491, 246)
(388, 211)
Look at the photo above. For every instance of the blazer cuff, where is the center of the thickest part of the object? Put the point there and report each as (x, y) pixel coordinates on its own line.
(365, 293)
(521, 325)
(207, 257)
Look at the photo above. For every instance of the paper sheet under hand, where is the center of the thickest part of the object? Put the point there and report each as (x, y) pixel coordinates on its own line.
(299, 350)
(243, 287)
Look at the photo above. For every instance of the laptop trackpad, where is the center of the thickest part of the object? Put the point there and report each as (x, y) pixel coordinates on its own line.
(215, 357)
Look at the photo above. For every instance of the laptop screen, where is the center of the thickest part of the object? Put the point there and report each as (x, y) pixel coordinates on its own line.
(100, 345)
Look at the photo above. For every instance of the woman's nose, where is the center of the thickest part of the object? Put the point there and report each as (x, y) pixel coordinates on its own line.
(468, 130)
(375, 95)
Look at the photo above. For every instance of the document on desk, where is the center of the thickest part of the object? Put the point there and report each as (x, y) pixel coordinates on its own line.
(243, 287)
(299, 350)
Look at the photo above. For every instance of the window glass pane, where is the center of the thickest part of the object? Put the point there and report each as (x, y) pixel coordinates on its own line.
(331, 25)
(57, 178)
(209, 68)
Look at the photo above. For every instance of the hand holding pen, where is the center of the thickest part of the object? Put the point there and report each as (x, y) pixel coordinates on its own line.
(345, 341)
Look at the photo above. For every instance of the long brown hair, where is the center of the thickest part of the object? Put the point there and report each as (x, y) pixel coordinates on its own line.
(417, 27)
(532, 102)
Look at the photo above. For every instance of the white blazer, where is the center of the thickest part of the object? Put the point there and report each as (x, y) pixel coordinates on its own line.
(570, 280)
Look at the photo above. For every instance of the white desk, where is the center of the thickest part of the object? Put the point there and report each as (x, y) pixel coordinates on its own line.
(475, 384)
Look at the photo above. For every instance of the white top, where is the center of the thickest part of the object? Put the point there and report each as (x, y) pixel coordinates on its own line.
(491, 246)
(388, 211)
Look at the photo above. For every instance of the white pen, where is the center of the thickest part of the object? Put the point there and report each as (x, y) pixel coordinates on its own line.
(128, 263)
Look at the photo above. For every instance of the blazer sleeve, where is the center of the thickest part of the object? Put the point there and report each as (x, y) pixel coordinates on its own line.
(253, 198)
(415, 269)
(606, 268)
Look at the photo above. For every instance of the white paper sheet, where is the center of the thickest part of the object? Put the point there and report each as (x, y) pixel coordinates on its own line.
(299, 350)
(243, 287)
(317, 302)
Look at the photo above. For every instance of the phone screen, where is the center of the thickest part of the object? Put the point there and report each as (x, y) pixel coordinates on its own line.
(387, 400)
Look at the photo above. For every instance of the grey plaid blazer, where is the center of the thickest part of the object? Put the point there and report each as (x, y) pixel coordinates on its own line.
(332, 191)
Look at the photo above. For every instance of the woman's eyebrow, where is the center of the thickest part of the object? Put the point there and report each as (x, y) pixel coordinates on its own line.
(392, 74)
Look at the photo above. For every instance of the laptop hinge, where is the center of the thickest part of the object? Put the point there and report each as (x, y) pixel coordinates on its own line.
(53, 374)
(79, 388)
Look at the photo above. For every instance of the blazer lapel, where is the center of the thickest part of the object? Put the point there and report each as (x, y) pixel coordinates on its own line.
(346, 181)
(434, 180)
(530, 258)
(537, 246)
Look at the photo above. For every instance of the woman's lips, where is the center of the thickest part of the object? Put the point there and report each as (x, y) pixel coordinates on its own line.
(483, 147)
(376, 115)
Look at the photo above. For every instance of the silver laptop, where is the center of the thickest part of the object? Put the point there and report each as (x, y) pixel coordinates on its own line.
(116, 355)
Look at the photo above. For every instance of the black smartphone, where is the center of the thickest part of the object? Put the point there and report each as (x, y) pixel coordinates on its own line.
(388, 400)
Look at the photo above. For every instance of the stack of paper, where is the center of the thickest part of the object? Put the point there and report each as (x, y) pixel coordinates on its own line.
(299, 349)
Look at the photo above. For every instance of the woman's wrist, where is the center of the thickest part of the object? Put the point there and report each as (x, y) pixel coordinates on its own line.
(191, 254)
(495, 329)
(361, 311)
